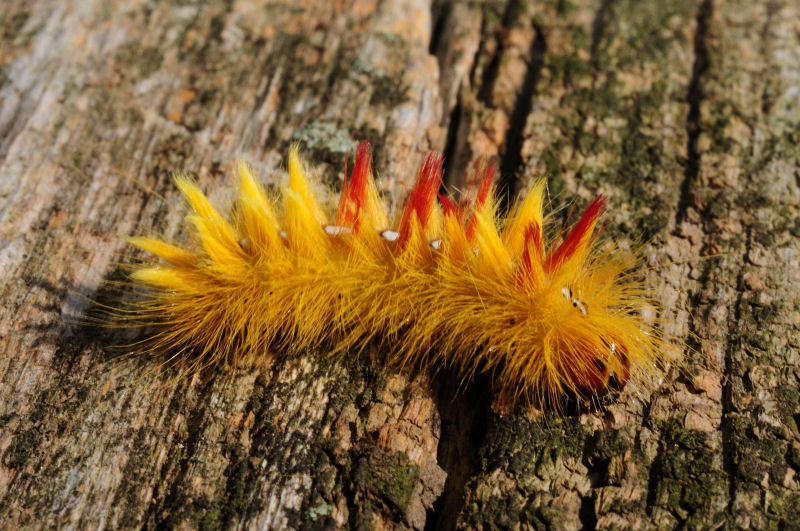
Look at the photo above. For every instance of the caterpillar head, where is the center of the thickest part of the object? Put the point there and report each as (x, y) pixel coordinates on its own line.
(546, 317)
(582, 311)
(554, 316)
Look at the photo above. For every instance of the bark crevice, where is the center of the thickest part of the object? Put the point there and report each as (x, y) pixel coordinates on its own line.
(464, 413)
(515, 135)
(694, 98)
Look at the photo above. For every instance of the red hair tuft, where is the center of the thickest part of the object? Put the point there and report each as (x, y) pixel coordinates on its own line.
(354, 193)
(578, 236)
(422, 197)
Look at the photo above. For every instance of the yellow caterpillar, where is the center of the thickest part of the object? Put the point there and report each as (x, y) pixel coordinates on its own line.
(447, 285)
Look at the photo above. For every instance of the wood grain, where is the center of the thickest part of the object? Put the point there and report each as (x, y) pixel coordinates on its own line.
(683, 113)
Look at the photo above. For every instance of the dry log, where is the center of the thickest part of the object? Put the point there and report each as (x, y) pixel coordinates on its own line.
(684, 113)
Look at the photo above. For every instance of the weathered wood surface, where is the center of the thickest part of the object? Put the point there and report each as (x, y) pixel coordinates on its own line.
(684, 113)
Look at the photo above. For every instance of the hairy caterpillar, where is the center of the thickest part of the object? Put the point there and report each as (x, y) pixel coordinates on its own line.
(448, 284)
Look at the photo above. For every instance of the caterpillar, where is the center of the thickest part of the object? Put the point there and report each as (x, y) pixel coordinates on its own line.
(447, 284)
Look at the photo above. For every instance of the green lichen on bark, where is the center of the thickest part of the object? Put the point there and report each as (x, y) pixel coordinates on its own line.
(381, 481)
(510, 490)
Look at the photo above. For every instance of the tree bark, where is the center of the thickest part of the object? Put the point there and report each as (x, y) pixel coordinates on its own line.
(683, 113)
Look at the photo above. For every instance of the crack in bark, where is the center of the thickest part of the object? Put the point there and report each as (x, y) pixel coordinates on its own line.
(694, 98)
(174, 496)
(452, 113)
(490, 74)
(691, 175)
(439, 11)
(454, 143)
(653, 478)
(637, 445)
(478, 50)
(512, 157)
(464, 418)
(587, 513)
(598, 25)
(729, 461)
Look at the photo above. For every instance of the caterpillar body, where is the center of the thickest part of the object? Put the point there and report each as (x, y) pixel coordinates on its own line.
(447, 285)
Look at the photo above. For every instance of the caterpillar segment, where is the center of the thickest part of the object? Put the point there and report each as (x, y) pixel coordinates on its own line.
(447, 284)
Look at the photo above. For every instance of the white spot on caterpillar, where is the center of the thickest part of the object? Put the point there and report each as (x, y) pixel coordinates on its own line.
(283, 234)
(244, 243)
(335, 230)
(579, 305)
(435, 244)
(575, 302)
(390, 235)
